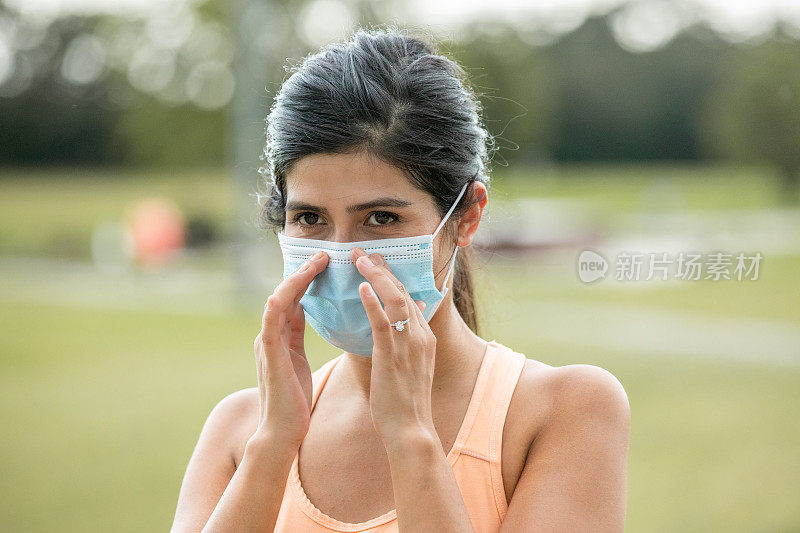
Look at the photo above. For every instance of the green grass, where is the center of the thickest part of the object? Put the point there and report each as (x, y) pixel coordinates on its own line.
(652, 187)
(101, 411)
(775, 295)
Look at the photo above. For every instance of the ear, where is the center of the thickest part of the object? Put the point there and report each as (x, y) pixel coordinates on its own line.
(471, 219)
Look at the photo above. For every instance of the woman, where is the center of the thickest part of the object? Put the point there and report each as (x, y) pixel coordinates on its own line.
(377, 160)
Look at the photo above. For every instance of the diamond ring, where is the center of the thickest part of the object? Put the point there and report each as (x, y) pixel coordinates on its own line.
(400, 325)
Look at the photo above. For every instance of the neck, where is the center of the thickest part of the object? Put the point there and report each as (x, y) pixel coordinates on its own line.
(455, 344)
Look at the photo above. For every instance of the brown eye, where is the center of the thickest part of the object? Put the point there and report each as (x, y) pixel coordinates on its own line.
(381, 218)
(308, 219)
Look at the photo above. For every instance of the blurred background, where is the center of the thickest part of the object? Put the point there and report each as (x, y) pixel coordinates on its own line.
(132, 280)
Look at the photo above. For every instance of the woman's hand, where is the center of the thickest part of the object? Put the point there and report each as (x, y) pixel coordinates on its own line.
(402, 361)
(284, 375)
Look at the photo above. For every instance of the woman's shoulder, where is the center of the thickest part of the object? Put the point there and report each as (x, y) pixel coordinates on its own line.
(239, 410)
(569, 394)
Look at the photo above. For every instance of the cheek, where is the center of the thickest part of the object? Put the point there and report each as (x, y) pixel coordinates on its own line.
(442, 253)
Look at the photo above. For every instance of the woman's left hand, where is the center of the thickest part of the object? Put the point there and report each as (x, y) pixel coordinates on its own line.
(402, 359)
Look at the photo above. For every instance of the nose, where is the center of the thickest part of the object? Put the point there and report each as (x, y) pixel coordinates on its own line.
(343, 235)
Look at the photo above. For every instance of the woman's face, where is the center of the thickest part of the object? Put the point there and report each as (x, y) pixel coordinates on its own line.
(358, 197)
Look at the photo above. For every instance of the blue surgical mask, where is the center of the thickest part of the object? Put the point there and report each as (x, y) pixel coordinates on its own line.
(331, 303)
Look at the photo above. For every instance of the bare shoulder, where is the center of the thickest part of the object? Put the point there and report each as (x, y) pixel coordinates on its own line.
(237, 407)
(553, 406)
(566, 454)
(236, 415)
(577, 392)
(546, 393)
(583, 391)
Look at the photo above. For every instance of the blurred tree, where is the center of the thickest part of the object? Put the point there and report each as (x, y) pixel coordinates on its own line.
(755, 112)
(148, 90)
(159, 89)
(582, 97)
(54, 104)
(618, 105)
(512, 80)
(165, 136)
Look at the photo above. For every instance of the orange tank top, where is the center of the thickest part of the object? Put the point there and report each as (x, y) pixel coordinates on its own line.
(474, 458)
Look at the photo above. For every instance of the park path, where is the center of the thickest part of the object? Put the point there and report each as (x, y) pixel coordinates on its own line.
(662, 332)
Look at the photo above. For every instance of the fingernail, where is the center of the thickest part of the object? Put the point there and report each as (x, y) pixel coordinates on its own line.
(376, 259)
(368, 288)
(422, 306)
(317, 256)
(359, 251)
(367, 261)
(305, 266)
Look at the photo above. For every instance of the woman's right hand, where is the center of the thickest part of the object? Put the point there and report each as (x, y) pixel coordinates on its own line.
(284, 375)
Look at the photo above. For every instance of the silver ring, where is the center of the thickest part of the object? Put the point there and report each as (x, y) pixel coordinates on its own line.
(400, 325)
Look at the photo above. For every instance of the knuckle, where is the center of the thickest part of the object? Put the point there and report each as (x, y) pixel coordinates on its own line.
(302, 268)
(383, 326)
(398, 300)
(273, 302)
(418, 344)
(430, 340)
(267, 341)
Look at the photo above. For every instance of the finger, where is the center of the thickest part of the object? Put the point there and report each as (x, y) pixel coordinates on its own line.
(274, 324)
(410, 305)
(393, 300)
(420, 307)
(296, 284)
(281, 305)
(320, 264)
(297, 326)
(381, 263)
(378, 319)
(260, 375)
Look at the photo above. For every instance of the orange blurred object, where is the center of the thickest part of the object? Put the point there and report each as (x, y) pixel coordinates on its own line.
(158, 230)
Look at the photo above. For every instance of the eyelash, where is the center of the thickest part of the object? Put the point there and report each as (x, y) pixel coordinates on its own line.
(392, 216)
(296, 218)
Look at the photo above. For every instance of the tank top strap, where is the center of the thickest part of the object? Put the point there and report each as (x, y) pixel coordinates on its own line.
(485, 438)
(320, 376)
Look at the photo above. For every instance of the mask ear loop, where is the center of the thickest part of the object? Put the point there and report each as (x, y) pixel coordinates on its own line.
(450, 212)
(450, 270)
(441, 224)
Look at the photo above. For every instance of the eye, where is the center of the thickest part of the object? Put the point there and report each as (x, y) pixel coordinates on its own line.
(381, 218)
(307, 218)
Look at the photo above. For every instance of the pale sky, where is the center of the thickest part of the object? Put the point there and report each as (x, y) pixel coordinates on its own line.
(642, 27)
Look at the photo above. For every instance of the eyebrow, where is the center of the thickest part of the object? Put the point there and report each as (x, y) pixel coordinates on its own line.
(386, 201)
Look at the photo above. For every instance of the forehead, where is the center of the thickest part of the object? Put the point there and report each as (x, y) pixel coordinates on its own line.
(348, 178)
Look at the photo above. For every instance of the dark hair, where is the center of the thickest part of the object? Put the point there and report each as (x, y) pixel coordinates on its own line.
(391, 94)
